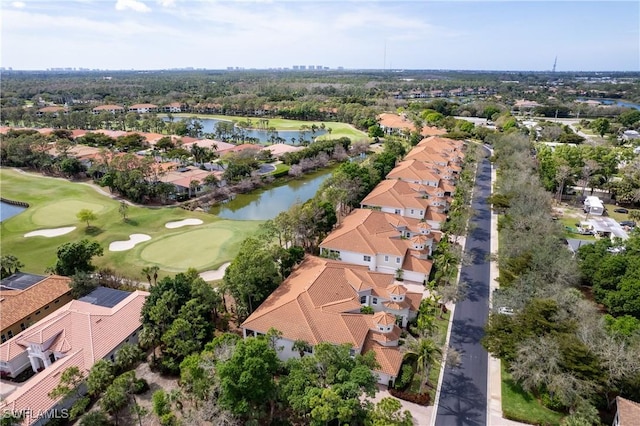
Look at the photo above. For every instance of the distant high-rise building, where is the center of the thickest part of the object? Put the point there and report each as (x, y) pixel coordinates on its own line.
(296, 67)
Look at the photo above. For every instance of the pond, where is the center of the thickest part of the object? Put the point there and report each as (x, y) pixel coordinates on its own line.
(613, 102)
(291, 137)
(9, 210)
(266, 204)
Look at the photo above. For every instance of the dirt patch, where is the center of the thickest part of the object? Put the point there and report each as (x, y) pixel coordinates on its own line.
(156, 382)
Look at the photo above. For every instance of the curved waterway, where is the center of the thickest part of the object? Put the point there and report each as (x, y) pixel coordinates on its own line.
(266, 204)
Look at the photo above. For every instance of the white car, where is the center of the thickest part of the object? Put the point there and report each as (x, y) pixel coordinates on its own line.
(505, 310)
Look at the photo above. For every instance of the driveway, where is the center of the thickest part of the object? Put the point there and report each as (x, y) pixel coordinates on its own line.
(463, 393)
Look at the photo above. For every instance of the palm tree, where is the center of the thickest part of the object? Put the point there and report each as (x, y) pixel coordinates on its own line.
(150, 338)
(426, 352)
(147, 272)
(154, 271)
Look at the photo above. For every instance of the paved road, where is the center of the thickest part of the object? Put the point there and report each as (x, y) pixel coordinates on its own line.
(463, 395)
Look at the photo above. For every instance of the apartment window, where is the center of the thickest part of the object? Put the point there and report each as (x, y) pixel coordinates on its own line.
(10, 334)
(374, 301)
(46, 307)
(412, 211)
(28, 318)
(367, 258)
(22, 326)
(363, 299)
(57, 301)
(421, 212)
(397, 260)
(397, 211)
(386, 258)
(4, 338)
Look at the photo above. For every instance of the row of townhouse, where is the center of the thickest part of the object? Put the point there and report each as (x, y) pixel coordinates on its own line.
(77, 333)
(422, 94)
(174, 107)
(367, 262)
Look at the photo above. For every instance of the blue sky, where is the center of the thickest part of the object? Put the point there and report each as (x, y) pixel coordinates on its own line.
(156, 34)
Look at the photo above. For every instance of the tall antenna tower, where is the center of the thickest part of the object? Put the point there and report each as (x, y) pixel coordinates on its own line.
(555, 62)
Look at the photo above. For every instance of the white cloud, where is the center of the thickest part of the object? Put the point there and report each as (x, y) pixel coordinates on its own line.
(135, 5)
(167, 3)
(18, 4)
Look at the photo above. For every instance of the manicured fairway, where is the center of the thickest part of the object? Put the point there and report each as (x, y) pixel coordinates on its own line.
(338, 130)
(194, 248)
(55, 202)
(61, 213)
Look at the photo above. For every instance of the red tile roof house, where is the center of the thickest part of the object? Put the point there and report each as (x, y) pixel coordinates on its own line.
(143, 108)
(320, 302)
(409, 200)
(628, 412)
(53, 110)
(384, 242)
(77, 335)
(113, 109)
(173, 107)
(394, 123)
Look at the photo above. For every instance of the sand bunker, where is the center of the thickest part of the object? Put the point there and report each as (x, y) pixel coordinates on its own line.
(184, 222)
(54, 232)
(215, 274)
(127, 245)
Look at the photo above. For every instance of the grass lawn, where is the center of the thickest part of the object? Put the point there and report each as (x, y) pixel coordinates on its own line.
(338, 130)
(522, 406)
(618, 217)
(571, 222)
(55, 202)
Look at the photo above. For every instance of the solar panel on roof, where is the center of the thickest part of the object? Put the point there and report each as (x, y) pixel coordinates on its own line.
(21, 281)
(106, 297)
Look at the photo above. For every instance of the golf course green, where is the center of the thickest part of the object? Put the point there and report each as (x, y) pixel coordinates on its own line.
(55, 202)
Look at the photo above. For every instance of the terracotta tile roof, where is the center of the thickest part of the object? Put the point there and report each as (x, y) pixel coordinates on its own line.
(76, 133)
(413, 170)
(413, 299)
(396, 306)
(427, 155)
(389, 358)
(244, 146)
(52, 109)
(435, 216)
(432, 131)
(281, 148)
(142, 106)
(397, 194)
(628, 412)
(16, 305)
(442, 144)
(396, 288)
(319, 302)
(108, 107)
(394, 121)
(384, 318)
(86, 332)
(370, 232)
(413, 263)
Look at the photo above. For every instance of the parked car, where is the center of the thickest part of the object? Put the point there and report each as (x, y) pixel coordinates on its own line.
(621, 210)
(629, 223)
